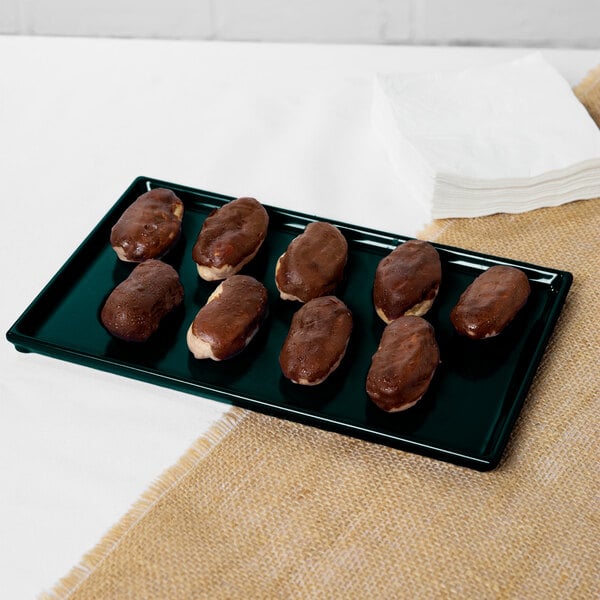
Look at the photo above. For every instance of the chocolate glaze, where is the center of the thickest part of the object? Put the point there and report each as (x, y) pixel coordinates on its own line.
(231, 233)
(316, 341)
(134, 309)
(409, 275)
(229, 320)
(404, 364)
(149, 227)
(491, 302)
(313, 264)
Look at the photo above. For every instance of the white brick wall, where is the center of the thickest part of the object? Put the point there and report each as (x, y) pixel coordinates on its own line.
(572, 23)
(541, 22)
(122, 18)
(299, 20)
(9, 16)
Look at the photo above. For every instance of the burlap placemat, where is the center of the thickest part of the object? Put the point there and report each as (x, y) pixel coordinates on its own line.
(265, 508)
(588, 92)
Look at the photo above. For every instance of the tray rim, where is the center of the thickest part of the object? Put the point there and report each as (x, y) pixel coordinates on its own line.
(484, 462)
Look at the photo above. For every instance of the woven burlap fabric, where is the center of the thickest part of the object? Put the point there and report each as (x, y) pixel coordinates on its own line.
(265, 508)
(588, 92)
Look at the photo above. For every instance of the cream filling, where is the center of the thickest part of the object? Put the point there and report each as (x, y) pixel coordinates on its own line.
(121, 254)
(199, 347)
(217, 273)
(282, 294)
(418, 310)
(202, 349)
(178, 211)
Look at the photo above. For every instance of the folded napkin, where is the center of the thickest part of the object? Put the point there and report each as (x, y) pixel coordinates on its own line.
(507, 138)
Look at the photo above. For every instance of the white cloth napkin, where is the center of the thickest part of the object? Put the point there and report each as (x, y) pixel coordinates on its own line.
(506, 138)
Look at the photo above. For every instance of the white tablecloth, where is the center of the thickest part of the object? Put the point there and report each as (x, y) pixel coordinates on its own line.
(79, 119)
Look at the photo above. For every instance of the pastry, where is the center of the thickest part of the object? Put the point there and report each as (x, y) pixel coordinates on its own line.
(135, 308)
(407, 280)
(230, 318)
(491, 302)
(230, 238)
(316, 341)
(313, 264)
(149, 227)
(403, 365)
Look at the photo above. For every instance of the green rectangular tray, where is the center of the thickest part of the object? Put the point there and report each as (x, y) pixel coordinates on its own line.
(465, 417)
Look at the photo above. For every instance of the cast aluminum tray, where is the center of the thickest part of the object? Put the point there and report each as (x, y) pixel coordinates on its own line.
(465, 417)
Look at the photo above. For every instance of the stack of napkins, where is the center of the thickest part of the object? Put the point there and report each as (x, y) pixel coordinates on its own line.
(506, 138)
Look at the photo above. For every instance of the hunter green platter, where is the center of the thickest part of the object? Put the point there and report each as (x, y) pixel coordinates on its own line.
(465, 417)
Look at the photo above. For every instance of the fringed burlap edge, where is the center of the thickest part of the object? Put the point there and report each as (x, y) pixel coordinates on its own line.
(161, 486)
(588, 92)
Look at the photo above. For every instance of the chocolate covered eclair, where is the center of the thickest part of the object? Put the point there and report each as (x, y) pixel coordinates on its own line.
(134, 309)
(316, 341)
(149, 227)
(230, 318)
(491, 302)
(403, 365)
(407, 280)
(230, 238)
(313, 264)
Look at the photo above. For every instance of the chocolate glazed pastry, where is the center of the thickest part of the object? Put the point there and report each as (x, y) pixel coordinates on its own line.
(230, 318)
(491, 302)
(403, 365)
(407, 280)
(135, 308)
(313, 264)
(149, 227)
(316, 341)
(230, 238)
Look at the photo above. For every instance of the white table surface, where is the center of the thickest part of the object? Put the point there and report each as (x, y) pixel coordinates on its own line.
(79, 120)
